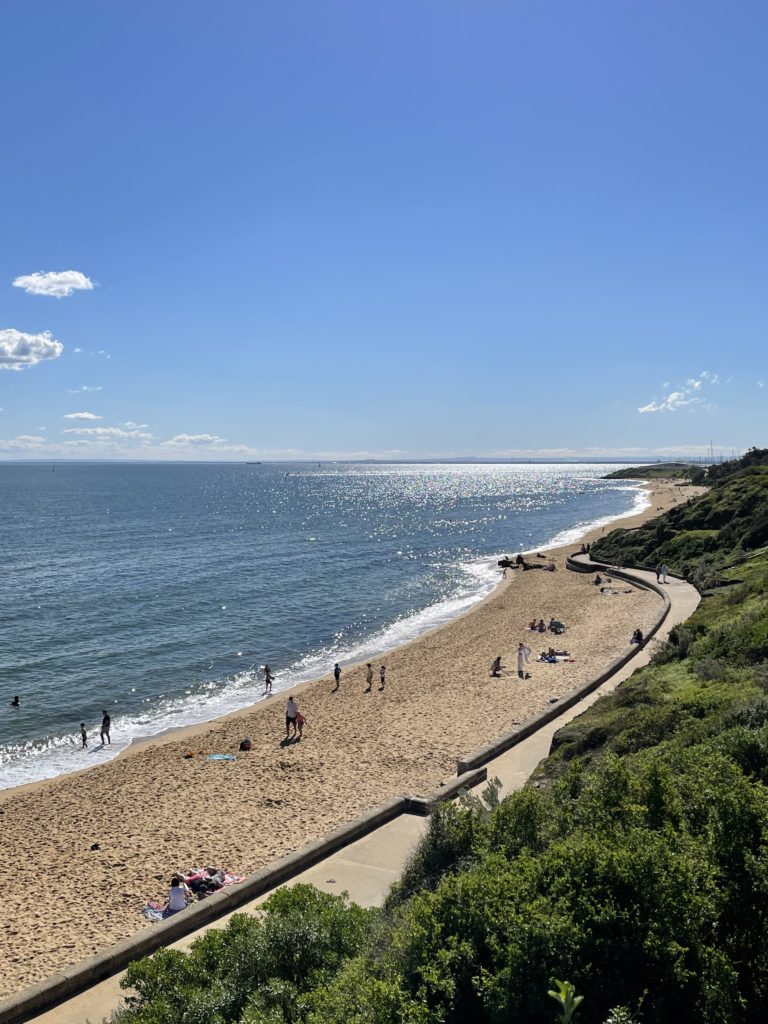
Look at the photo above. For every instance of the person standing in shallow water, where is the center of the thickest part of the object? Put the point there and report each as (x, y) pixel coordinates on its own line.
(16, 703)
(83, 735)
(106, 721)
(268, 679)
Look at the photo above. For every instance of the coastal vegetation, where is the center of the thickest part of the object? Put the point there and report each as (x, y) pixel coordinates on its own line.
(655, 471)
(634, 864)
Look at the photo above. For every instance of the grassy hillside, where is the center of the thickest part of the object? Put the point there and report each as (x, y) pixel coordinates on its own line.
(634, 865)
(657, 471)
(707, 533)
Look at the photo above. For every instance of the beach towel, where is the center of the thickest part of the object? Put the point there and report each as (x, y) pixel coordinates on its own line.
(222, 757)
(154, 911)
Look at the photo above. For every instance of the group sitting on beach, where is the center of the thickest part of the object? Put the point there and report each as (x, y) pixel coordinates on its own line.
(555, 626)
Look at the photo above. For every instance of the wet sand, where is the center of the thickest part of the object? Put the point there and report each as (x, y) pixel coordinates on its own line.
(153, 810)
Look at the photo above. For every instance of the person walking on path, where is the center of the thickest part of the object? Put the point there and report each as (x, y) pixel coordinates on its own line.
(368, 677)
(523, 654)
(291, 714)
(382, 676)
(83, 735)
(268, 677)
(663, 570)
(106, 721)
(657, 570)
(496, 666)
(336, 676)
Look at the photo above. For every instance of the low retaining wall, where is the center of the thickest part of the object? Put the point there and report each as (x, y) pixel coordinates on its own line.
(511, 739)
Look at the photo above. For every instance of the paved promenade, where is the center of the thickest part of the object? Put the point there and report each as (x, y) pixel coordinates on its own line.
(367, 868)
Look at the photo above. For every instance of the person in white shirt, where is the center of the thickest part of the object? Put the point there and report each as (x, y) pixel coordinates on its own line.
(177, 898)
(291, 711)
(523, 654)
(664, 570)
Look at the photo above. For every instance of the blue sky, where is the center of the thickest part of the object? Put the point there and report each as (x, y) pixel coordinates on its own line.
(344, 229)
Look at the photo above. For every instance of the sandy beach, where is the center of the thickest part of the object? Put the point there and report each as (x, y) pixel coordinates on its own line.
(152, 810)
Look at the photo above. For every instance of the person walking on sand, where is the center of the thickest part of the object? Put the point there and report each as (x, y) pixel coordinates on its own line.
(300, 720)
(83, 735)
(291, 714)
(368, 677)
(268, 677)
(523, 654)
(496, 666)
(336, 676)
(106, 721)
(382, 676)
(664, 572)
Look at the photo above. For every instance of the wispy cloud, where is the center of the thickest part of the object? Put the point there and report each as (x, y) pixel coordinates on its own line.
(684, 396)
(56, 283)
(187, 439)
(24, 443)
(81, 416)
(19, 351)
(135, 426)
(761, 383)
(109, 432)
(85, 387)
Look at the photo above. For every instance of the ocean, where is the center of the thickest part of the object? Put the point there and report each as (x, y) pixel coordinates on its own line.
(159, 591)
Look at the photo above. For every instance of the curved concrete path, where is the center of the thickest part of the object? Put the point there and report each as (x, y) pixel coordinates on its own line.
(368, 867)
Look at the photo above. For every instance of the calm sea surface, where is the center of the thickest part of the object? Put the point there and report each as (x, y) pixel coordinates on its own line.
(158, 591)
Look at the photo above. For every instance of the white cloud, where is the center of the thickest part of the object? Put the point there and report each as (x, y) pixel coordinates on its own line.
(685, 396)
(109, 432)
(77, 350)
(185, 439)
(85, 387)
(24, 443)
(57, 283)
(761, 383)
(19, 351)
(81, 416)
(135, 426)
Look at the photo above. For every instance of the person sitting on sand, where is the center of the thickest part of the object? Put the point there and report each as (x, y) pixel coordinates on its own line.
(532, 624)
(598, 580)
(496, 666)
(637, 637)
(245, 744)
(177, 897)
(556, 626)
(546, 656)
(540, 626)
(559, 654)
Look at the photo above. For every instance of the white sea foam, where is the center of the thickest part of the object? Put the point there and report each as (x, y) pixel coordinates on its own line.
(54, 756)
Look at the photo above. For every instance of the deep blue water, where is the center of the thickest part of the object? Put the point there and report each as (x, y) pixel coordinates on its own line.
(158, 591)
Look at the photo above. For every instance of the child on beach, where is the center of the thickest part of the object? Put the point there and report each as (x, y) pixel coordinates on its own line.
(300, 720)
(83, 734)
(268, 677)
